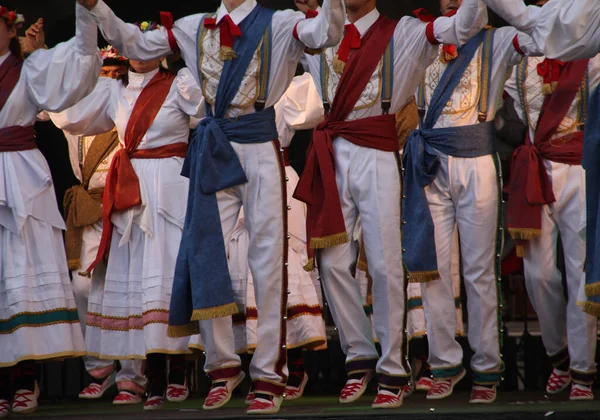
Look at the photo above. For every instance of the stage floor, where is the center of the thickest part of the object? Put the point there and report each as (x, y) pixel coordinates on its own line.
(510, 405)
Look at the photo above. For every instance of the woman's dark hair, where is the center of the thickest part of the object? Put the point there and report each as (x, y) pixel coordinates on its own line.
(15, 47)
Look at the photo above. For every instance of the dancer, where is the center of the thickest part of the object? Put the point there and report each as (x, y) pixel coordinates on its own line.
(546, 200)
(142, 218)
(569, 30)
(300, 108)
(244, 57)
(90, 158)
(364, 81)
(38, 317)
(453, 179)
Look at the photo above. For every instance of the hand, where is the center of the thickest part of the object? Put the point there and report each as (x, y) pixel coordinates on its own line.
(305, 5)
(88, 4)
(34, 38)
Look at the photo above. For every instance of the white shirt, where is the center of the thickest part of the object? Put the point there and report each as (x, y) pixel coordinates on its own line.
(534, 98)
(563, 29)
(413, 53)
(50, 80)
(464, 108)
(111, 102)
(324, 30)
(110, 105)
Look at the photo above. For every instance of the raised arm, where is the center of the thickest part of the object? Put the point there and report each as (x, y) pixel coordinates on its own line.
(470, 18)
(324, 30)
(59, 77)
(563, 29)
(126, 37)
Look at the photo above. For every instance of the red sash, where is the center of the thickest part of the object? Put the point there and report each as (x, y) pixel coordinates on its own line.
(122, 190)
(530, 186)
(325, 225)
(10, 72)
(17, 138)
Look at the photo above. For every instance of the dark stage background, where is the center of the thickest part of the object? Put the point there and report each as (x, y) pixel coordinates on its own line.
(59, 15)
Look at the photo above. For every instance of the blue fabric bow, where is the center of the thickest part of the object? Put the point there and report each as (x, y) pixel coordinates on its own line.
(202, 285)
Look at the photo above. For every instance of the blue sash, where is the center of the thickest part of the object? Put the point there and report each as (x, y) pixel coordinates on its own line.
(591, 164)
(202, 285)
(421, 163)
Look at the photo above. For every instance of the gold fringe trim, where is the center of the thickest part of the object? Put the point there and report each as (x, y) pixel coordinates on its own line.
(85, 274)
(227, 53)
(338, 65)
(592, 308)
(423, 276)
(592, 289)
(216, 312)
(524, 234)
(520, 251)
(310, 265)
(329, 241)
(179, 331)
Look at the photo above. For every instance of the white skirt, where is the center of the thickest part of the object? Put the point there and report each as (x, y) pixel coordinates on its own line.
(38, 317)
(129, 306)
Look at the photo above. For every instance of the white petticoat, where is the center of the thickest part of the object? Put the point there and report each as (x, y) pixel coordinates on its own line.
(128, 311)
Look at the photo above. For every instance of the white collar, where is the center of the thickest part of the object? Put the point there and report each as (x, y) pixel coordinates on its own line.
(364, 23)
(238, 14)
(141, 79)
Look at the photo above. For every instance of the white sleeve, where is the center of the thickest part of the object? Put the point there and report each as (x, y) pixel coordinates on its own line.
(135, 44)
(326, 29)
(469, 20)
(413, 40)
(191, 100)
(91, 115)
(292, 32)
(59, 77)
(300, 108)
(563, 29)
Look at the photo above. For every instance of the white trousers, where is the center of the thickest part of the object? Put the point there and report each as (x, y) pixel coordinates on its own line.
(368, 184)
(265, 213)
(466, 193)
(130, 376)
(567, 332)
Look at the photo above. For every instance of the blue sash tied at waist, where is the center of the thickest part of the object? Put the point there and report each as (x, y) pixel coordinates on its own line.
(421, 163)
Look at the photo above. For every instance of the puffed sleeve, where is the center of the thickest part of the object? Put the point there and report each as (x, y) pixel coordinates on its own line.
(563, 29)
(61, 76)
(300, 108)
(191, 99)
(92, 115)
